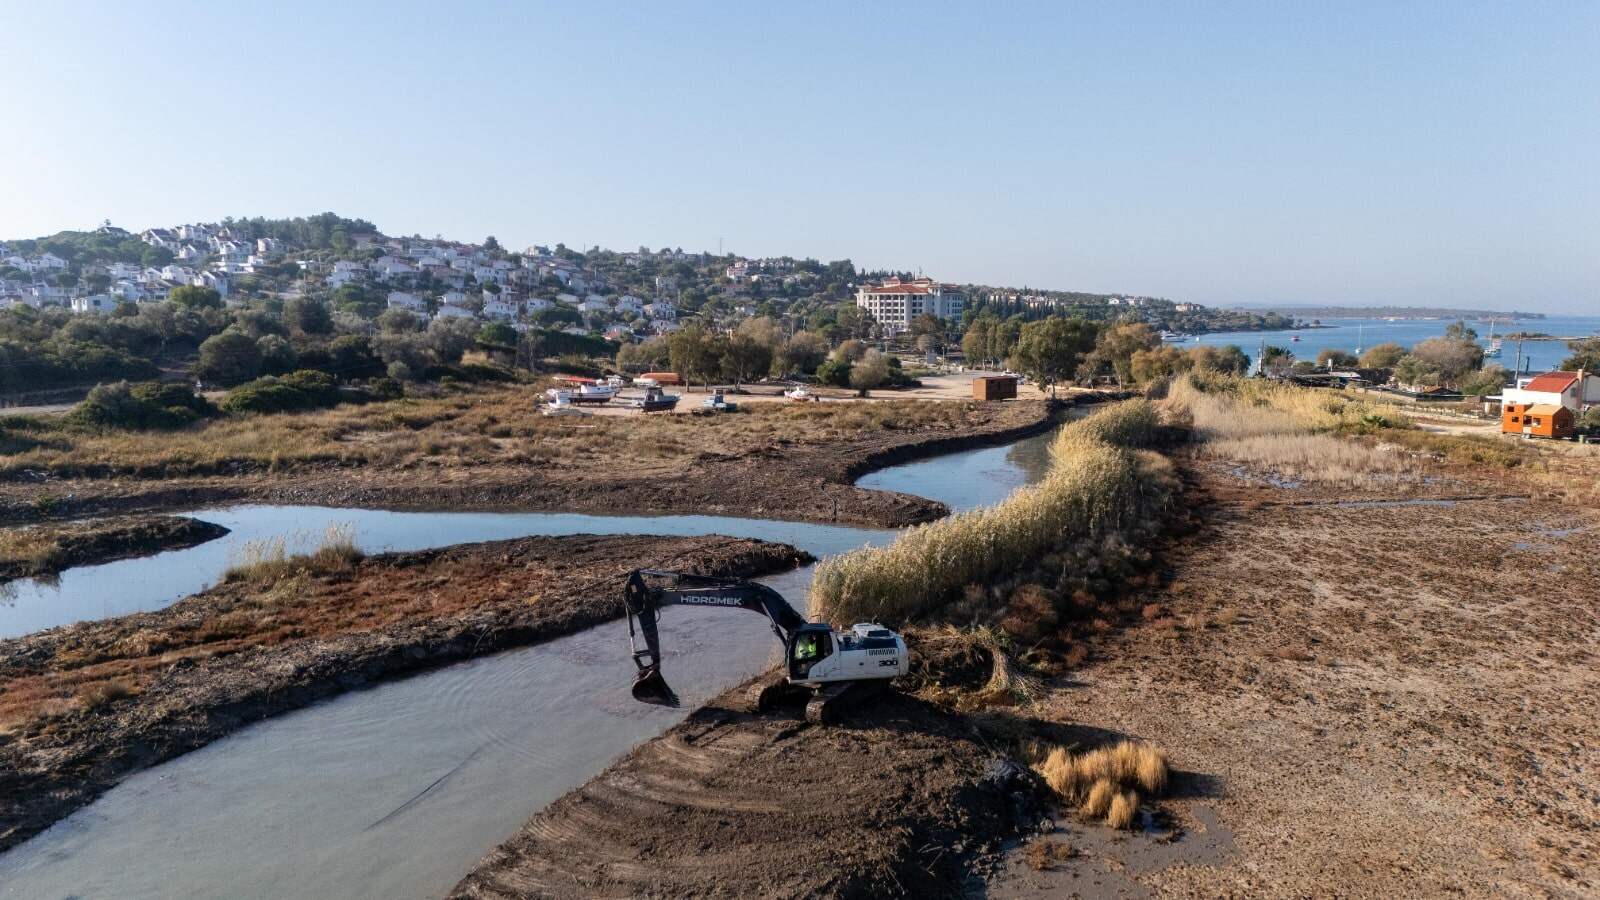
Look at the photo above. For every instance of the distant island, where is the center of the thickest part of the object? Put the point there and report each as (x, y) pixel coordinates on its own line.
(1394, 312)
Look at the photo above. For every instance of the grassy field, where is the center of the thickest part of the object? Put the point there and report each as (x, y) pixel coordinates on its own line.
(495, 425)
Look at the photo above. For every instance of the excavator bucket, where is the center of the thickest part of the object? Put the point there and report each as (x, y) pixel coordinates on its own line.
(650, 687)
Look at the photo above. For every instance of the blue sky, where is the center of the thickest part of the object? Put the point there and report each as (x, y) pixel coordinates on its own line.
(1407, 153)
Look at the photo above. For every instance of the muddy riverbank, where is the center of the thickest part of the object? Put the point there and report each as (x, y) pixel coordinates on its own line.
(896, 801)
(798, 480)
(83, 706)
(50, 548)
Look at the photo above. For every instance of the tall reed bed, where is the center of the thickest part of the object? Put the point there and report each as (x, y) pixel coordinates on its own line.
(1287, 430)
(1095, 486)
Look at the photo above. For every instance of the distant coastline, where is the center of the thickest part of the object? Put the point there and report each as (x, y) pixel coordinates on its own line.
(1406, 313)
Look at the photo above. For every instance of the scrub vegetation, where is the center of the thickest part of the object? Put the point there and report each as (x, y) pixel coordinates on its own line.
(1105, 783)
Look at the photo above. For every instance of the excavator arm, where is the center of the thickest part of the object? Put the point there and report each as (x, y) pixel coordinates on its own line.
(647, 590)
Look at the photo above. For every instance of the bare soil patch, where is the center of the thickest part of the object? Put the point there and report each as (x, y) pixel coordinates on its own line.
(83, 706)
(50, 548)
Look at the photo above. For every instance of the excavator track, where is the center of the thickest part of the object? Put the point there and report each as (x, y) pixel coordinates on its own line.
(833, 701)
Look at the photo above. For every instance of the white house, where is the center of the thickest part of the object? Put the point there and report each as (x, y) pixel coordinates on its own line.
(630, 303)
(189, 252)
(1576, 391)
(217, 281)
(568, 299)
(98, 304)
(160, 237)
(534, 304)
(119, 270)
(129, 290)
(181, 274)
(502, 310)
(403, 300)
(388, 267)
(895, 303)
(267, 246)
(661, 309)
(455, 298)
(454, 312)
(594, 304)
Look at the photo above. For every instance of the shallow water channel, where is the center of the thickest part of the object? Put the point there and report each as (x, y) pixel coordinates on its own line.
(398, 790)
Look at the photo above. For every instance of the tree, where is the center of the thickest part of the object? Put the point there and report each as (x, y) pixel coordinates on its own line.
(1331, 358)
(277, 356)
(850, 351)
(1157, 363)
(497, 334)
(1117, 345)
(651, 355)
(308, 316)
(448, 339)
(1460, 331)
(1382, 356)
(1229, 360)
(1440, 361)
(801, 353)
(228, 358)
(1585, 356)
(97, 282)
(694, 354)
(1277, 362)
(155, 257)
(870, 371)
(745, 356)
(398, 321)
(1050, 350)
(1485, 382)
(190, 297)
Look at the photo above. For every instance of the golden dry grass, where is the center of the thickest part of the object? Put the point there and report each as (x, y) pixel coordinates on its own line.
(488, 425)
(1122, 809)
(1288, 432)
(1094, 487)
(1047, 853)
(269, 561)
(1105, 782)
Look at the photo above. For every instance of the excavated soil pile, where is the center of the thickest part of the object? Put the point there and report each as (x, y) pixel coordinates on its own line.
(899, 800)
(85, 705)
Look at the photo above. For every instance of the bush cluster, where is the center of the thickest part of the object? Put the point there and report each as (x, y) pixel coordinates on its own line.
(147, 405)
(304, 389)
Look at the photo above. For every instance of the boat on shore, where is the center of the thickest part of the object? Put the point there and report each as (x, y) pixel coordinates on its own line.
(800, 394)
(654, 400)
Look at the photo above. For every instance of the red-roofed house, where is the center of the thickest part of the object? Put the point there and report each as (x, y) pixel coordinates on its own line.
(1576, 391)
(896, 303)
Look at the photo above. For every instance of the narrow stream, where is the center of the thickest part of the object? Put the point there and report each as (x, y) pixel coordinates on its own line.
(398, 790)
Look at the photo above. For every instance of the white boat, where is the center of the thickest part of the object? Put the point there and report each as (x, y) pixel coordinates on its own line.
(1174, 337)
(800, 394)
(561, 405)
(1494, 344)
(718, 402)
(585, 394)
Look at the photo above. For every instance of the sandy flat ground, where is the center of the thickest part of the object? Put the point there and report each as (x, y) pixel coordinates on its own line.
(935, 387)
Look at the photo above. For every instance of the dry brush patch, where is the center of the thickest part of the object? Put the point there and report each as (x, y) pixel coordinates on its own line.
(486, 425)
(1105, 783)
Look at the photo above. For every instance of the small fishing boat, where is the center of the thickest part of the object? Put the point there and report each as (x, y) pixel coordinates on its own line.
(585, 394)
(654, 400)
(800, 394)
(718, 402)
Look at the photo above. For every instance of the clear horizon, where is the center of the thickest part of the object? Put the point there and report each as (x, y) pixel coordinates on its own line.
(1430, 155)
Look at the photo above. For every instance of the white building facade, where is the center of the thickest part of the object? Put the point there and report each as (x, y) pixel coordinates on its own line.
(896, 303)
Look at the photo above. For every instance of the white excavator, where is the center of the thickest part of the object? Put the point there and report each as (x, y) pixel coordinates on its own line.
(830, 669)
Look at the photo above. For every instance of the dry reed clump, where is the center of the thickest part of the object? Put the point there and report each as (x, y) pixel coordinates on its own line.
(950, 663)
(98, 694)
(1044, 855)
(1094, 487)
(1105, 782)
(268, 561)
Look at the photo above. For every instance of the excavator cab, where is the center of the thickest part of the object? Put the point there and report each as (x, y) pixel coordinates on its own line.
(810, 645)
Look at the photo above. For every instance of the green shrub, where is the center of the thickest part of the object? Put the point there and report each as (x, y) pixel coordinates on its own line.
(304, 389)
(148, 405)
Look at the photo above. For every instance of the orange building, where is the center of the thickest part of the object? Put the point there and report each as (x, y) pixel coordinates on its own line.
(1546, 420)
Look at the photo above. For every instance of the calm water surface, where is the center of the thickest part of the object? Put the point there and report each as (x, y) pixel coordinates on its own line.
(398, 790)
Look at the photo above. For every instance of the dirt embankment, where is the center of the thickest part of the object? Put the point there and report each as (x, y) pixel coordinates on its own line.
(48, 549)
(896, 801)
(1387, 698)
(804, 479)
(83, 706)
